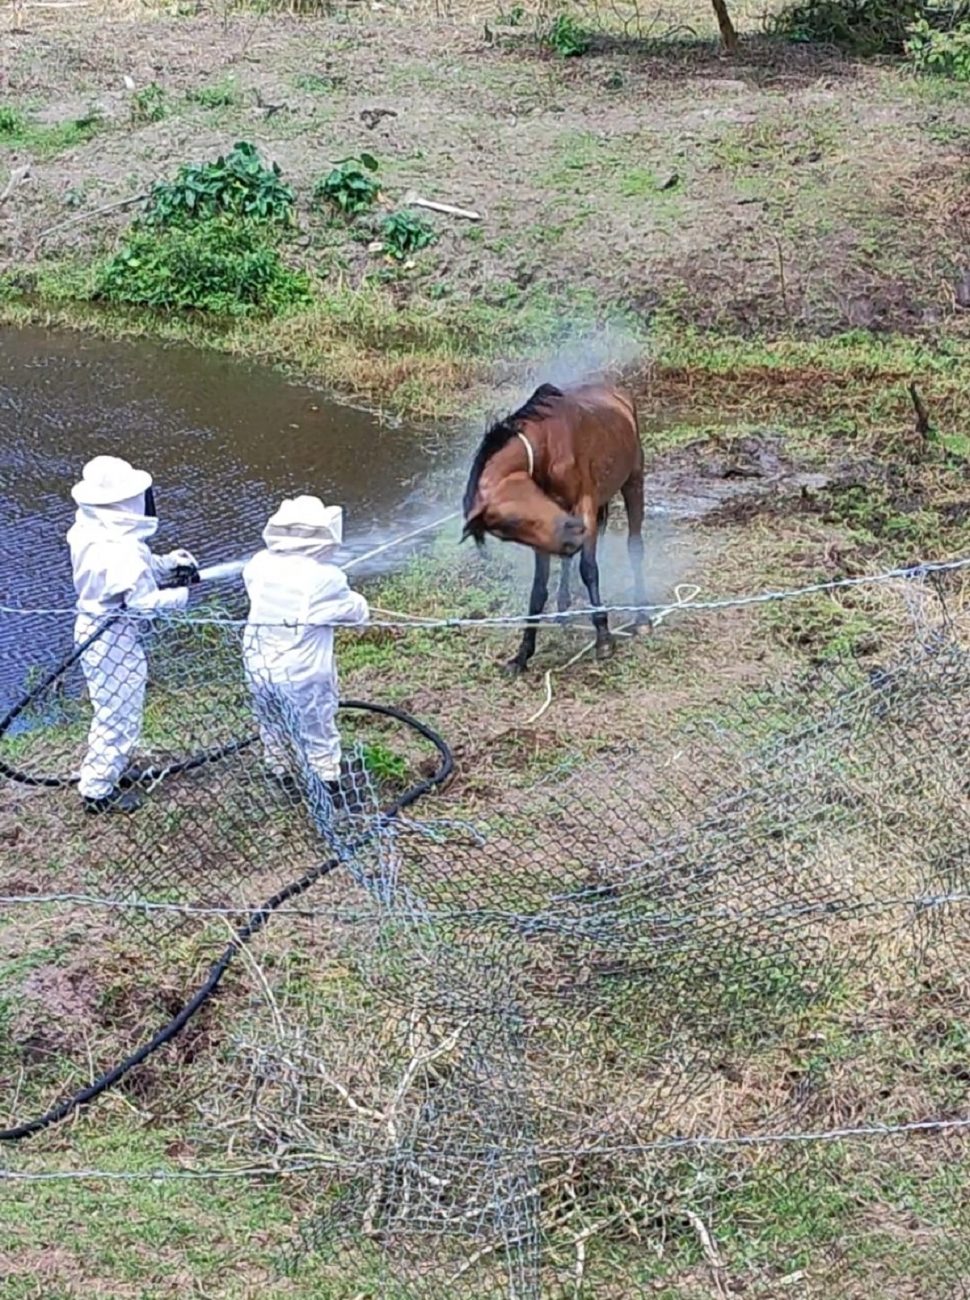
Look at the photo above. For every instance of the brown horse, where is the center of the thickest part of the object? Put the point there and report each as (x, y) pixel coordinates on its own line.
(545, 475)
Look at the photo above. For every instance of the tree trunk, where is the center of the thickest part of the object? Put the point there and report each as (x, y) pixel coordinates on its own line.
(729, 36)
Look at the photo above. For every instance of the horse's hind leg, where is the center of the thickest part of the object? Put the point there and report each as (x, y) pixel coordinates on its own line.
(537, 603)
(633, 500)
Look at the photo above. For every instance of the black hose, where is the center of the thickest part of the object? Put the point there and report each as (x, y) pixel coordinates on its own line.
(257, 918)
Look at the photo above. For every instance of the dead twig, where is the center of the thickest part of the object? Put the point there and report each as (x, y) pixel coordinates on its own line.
(923, 426)
(88, 216)
(15, 178)
(708, 1247)
(413, 200)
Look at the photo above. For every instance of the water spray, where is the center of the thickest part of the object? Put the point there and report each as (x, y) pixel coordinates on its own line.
(232, 569)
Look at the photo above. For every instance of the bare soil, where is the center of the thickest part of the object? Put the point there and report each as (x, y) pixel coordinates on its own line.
(786, 188)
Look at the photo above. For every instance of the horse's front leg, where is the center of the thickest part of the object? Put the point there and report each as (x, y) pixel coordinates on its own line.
(537, 603)
(565, 596)
(590, 574)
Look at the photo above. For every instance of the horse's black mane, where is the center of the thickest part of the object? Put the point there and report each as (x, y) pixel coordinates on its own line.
(503, 431)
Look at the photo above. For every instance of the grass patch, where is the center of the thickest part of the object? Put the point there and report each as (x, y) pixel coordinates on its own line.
(224, 268)
(44, 140)
(220, 94)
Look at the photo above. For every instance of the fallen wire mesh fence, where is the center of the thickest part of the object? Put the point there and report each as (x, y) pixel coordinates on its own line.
(683, 1009)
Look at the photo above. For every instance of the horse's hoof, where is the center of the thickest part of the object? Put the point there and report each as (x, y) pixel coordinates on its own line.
(605, 649)
(514, 668)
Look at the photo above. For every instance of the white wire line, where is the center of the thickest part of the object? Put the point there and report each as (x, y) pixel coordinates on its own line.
(656, 613)
(708, 1142)
(829, 908)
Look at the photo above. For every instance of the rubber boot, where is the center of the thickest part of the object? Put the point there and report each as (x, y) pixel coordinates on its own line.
(134, 774)
(118, 801)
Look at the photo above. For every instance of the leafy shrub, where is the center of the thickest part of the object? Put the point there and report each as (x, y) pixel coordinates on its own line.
(223, 94)
(404, 233)
(317, 83)
(351, 186)
(225, 266)
(238, 184)
(566, 37)
(864, 26)
(150, 104)
(11, 123)
(383, 765)
(943, 53)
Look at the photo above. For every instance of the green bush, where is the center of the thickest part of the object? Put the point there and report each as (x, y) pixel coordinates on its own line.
(866, 27)
(227, 267)
(403, 234)
(351, 186)
(566, 37)
(11, 123)
(238, 184)
(150, 104)
(942, 53)
(223, 94)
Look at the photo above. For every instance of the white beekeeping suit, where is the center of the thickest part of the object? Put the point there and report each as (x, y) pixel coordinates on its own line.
(296, 597)
(114, 573)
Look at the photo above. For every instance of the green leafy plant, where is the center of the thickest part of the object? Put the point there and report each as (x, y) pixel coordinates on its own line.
(403, 234)
(351, 186)
(236, 184)
(940, 53)
(11, 123)
(222, 94)
(567, 37)
(383, 765)
(224, 266)
(317, 83)
(150, 104)
(865, 27)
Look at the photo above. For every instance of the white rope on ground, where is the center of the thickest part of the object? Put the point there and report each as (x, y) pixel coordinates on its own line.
(680, 601)
(654, 612)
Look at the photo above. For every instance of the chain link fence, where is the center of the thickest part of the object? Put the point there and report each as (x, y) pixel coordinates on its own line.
(682, 1013)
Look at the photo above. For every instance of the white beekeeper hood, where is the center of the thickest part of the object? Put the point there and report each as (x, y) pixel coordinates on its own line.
(109, 481)
(304, 525)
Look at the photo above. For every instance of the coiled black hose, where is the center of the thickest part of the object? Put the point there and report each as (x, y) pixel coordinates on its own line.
(257, 918)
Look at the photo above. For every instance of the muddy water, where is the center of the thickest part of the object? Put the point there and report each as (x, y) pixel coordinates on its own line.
(224, 441)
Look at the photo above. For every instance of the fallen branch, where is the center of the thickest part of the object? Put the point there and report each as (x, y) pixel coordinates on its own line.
(87, 216)
(708, 1248)
(412, 200)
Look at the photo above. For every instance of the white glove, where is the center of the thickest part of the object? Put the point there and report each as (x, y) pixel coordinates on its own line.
(178, 559)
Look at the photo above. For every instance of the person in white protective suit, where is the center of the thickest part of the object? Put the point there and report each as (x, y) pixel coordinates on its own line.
(297, 594)
(115, 573)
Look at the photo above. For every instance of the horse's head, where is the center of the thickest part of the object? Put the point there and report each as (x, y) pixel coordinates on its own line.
(514, 509)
